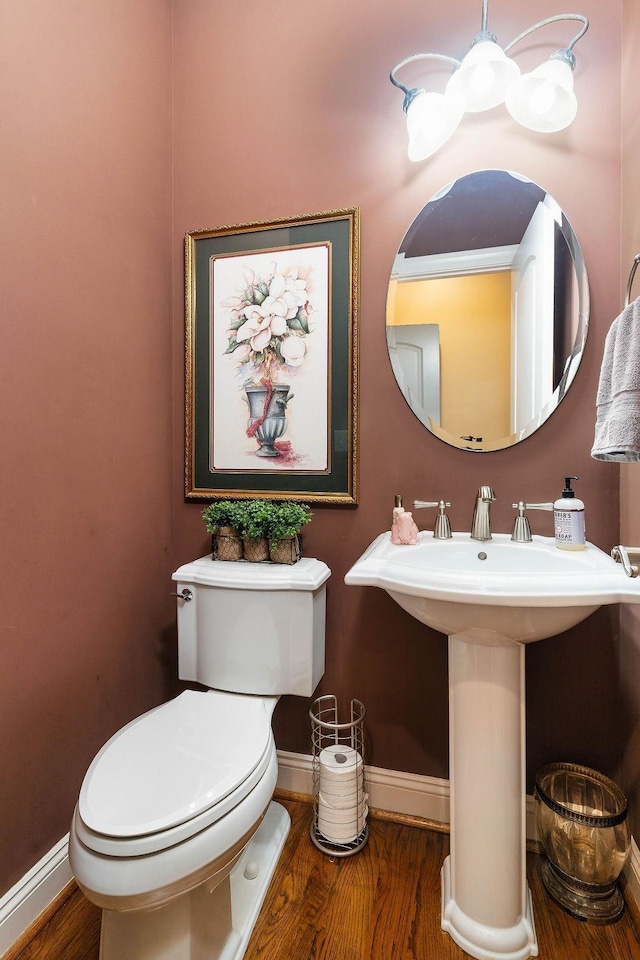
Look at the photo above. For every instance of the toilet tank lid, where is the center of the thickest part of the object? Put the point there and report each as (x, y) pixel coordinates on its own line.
(307, 574)
(171, 764)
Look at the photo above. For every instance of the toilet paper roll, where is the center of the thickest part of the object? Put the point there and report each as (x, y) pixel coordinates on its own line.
(341, 807)
(337, 834)
(340, 771)
(334, 833)
(350, 801)
(339, 762)
(340, 788)
(341, 791)
(337, 818)
(334, 815)
(341, 831)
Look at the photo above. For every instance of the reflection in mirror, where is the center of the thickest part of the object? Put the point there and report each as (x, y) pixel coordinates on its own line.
(487, 310)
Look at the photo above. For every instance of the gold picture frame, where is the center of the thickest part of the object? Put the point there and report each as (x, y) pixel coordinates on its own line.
(271, 370)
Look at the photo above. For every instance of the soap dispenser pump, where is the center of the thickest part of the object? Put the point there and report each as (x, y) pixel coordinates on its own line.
(568, 518)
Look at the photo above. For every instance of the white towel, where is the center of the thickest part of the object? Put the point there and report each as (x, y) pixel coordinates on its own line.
(617, 434)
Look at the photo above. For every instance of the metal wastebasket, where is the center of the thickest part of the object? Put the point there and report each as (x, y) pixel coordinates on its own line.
(582, 824)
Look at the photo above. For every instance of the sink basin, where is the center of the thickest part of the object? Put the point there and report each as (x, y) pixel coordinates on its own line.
(520, 591)
(490, 599)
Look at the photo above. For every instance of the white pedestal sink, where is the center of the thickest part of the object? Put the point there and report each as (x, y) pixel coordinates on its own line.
(490, 599)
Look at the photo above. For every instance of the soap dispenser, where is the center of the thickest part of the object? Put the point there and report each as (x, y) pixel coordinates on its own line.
(403, 526)
(568, 519)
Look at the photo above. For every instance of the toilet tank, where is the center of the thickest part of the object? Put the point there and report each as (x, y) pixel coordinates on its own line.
(252, 627)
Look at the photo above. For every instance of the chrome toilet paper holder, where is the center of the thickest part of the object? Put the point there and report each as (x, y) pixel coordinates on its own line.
(339, 824)
(629, 557)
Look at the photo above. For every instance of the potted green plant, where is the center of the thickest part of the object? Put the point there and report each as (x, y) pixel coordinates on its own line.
(254, 522)
(287, 519)
(223, 521)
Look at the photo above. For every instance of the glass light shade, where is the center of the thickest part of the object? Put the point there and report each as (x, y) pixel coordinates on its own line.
(543, 100)
(431, 120)
(483, 77)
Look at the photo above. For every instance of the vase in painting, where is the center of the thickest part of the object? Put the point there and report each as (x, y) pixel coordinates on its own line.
(267, 420)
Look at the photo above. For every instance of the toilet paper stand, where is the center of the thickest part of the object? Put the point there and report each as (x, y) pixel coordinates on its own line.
(339, 825)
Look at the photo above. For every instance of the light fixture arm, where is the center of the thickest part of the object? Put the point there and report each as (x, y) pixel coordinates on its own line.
(410, 93)
(485, 15)
(485, 33)
(543, 23)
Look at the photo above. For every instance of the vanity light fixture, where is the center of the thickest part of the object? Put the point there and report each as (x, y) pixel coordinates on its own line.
(542, 100)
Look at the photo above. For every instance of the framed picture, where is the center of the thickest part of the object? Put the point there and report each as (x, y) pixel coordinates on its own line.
(272, 359)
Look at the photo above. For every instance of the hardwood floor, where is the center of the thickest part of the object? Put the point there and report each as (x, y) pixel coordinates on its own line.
(71, 933)
(381, 904)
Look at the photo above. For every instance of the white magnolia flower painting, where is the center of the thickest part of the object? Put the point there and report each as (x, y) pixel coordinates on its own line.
(270, 347)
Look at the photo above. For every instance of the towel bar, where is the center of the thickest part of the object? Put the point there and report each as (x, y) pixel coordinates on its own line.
(628, 557)
(636, 261)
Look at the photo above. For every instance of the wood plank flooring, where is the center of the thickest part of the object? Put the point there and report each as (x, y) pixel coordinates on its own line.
(72, 932)
(381, 904)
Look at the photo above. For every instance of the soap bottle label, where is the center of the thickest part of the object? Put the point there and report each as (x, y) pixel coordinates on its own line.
(569, 526)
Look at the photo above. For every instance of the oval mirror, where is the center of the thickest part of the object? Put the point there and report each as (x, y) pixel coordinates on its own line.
(487, 310)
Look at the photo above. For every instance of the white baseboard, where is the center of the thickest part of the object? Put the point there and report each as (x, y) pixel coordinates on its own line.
(31, 895)
(390, 790)
(419, 796)
(632, 873)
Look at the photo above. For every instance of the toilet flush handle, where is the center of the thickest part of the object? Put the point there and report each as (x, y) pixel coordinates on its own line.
(185, 595)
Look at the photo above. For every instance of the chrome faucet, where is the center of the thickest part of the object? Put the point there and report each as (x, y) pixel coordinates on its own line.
(481, 522)
(442, 528)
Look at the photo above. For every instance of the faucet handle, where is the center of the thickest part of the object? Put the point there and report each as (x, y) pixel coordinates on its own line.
(442, 528)
(521, 528)
(531, 506)
(419, 504)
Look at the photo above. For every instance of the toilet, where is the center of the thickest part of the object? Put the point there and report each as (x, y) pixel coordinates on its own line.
(175, 834)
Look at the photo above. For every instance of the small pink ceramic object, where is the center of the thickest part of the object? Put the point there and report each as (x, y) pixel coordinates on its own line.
(403, 528)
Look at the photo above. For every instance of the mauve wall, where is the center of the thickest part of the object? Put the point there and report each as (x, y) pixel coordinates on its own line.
(85, 383)
(280, 109)
(286, 108)
(630, 474)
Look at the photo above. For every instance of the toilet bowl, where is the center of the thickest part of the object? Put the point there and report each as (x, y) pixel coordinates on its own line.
(175, 834)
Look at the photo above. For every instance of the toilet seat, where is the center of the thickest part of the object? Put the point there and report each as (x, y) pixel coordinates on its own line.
(174, 771)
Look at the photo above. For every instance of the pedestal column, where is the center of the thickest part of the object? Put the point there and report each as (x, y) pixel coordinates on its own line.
(486, 904)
